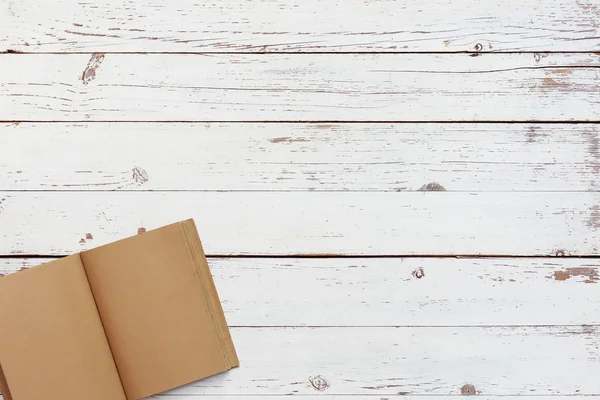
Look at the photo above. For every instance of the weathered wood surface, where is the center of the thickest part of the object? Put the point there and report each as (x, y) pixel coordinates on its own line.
(324, 396)
(288, 87)
(388, 361)
(496, 361)
(298, 157)
(300, 26)
(288, 223)
(382, 361)
(336, 328)
(400, 291)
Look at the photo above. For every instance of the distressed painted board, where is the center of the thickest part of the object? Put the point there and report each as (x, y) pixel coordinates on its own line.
(427, 361)
(299, 26)
(401, 291)
(299, 157)
(289, 87)
(289, 223)
(322, 395)
(494, 361)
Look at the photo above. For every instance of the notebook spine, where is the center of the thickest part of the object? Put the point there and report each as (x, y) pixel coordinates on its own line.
(209, 292)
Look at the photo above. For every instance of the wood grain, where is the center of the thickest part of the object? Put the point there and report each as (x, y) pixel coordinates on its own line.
(419, 361)
(289, 223)
(324, 396)
(263, 292)
(300, 26)
(299, 157)
(496, 361)
(327, 162)
(287, 87)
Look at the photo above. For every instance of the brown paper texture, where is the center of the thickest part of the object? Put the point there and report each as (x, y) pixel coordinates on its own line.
(52, 344)
(152, 295)
(4, 386)
(124, 321)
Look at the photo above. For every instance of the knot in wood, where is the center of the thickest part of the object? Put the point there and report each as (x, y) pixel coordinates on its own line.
(418, 273)
(139, 175)
(468, 390)
(318, 382)
(432, 187)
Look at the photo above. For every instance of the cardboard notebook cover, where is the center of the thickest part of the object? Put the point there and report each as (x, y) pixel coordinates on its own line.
(120, 322)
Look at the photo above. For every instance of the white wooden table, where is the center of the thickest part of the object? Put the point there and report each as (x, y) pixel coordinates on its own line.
(399, 198)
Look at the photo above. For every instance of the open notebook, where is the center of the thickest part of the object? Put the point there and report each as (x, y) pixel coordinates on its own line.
(120, 322)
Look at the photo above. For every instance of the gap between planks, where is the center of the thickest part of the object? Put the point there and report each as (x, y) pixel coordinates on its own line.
(553, 257)
(471, 53)
(304, 122)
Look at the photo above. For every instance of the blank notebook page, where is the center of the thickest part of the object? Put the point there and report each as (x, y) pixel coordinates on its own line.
(160, 310)
(52, 343)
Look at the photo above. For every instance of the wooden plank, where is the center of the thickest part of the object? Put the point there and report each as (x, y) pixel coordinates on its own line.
(400, 291)
(497, 361)
(325, 396)
(288, 223)
(387, 361)
(284, 87)
(300, 25)
(321, 157)
(428, 361)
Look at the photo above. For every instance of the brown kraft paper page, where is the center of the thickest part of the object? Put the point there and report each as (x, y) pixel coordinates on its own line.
(160, 310)
(52, 344)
